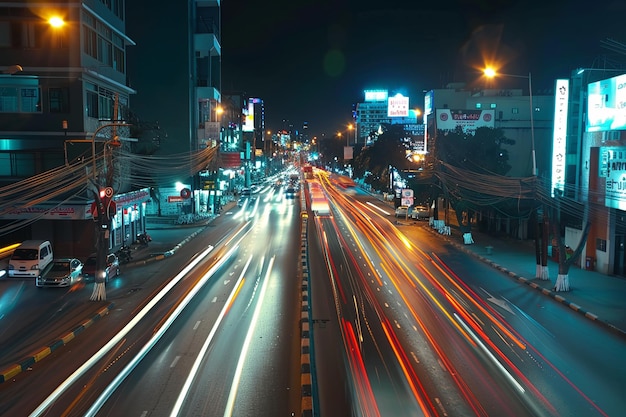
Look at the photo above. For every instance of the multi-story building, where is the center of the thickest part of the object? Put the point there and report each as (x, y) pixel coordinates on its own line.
(595, 164)
(378, 110)
(63, 95)
(176, 70)
(509, 110)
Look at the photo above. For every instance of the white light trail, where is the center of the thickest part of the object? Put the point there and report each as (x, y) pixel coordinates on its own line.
(230, 405)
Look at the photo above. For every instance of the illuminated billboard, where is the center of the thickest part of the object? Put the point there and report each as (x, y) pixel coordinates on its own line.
(376, 95)
(559, 135)
(606, 105)
(612, 167)
(398, 106)
(468, 120)
(248, 124)
(428, 102)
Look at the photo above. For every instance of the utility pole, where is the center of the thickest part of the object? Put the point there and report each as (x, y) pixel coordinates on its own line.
(104, 208)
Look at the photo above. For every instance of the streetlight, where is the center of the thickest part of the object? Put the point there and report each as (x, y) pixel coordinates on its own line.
(56, 21)
(350, 127)
(491, 73)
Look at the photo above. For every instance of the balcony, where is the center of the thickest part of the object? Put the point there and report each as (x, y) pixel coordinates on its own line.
(208, 93)
(206, 44)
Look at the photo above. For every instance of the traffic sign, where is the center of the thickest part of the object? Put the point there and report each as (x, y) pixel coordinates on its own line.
(108, 192)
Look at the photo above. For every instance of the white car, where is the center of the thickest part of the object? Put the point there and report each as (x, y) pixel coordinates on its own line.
(402, 211)
(419, 212)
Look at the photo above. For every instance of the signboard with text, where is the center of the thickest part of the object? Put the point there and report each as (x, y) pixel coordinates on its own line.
(612, 166)
(468, 120)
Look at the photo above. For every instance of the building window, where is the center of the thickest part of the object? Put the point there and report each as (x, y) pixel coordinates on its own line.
(105, 54)
(105, 105)
(8, 99)
(492, 106)
(58, 100)
(24, 164)
(20, 100)
(515, 110)
(92, 104)
(90, 39)
(30, 101)
(17, 164)
(601, 245)
(479, 106)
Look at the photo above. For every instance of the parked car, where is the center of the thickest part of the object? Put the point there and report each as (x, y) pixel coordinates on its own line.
(420, 212)
(31, 258)
(402, 211)
(112, 268)
(61, 273)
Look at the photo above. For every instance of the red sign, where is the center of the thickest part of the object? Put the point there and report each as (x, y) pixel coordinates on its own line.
(174, 199)
(230, 159)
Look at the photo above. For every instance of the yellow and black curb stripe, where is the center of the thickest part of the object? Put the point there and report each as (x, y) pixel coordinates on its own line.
(306, 380)
(26, 363)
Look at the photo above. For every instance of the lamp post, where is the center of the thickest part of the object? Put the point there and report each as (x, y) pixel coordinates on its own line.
(350, 127)
(491, 73)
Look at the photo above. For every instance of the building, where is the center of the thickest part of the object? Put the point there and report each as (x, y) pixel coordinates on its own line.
(378, 110)
(176, 70)
(63, 99)
(595, 164)
(509, 110)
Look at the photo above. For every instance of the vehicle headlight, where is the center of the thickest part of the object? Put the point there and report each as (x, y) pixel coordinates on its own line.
(36, 266)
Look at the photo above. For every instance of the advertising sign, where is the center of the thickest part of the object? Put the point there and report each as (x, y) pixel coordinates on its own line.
(468, 120)
(561, 101)
(428, 103)
(398, 106)
(612, 166)
(248, 124)
(376, 95)
(606, 105)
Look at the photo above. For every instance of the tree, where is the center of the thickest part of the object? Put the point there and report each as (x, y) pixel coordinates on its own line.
(481, 153)
(566, 260)
(373, 162)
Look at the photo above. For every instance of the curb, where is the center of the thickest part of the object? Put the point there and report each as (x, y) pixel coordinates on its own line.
(37, 356)
(306, 380)
(532, 284)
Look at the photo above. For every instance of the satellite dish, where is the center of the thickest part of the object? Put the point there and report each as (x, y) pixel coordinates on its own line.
(13, 69)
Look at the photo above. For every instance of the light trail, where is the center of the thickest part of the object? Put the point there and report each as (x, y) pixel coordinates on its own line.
(230, 405)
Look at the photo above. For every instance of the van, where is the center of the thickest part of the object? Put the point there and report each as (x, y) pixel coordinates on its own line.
(30, 258)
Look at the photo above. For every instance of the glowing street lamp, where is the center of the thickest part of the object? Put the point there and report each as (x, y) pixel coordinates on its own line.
(56, 21)
(491, 73)
(350, 127)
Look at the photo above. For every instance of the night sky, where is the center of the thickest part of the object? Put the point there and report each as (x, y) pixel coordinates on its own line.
(310, 60)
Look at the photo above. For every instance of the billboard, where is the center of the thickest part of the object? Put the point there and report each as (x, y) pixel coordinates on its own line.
(248, 124)
(398, 106)
(376, 95)
(428, 102)
(606, 105)
(468, 120)
(561, 100)
(612, 166)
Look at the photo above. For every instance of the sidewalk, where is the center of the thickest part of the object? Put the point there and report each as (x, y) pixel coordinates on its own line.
(598, 297)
